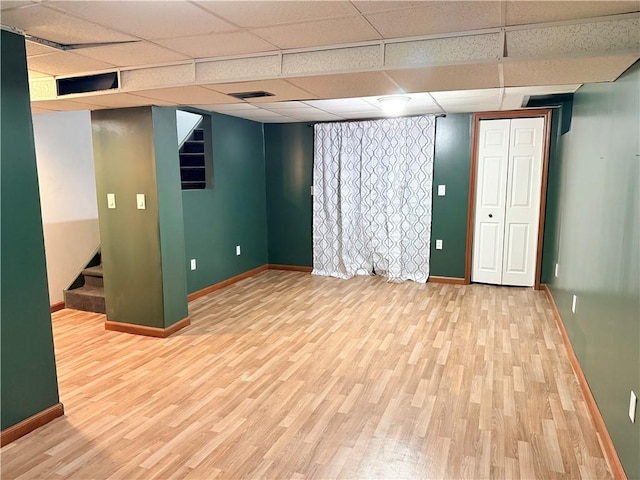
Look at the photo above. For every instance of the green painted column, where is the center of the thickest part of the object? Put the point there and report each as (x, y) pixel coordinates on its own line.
(27, 364)
(143, 256)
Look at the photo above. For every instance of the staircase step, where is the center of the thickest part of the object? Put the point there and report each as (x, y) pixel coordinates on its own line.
(198, 134)
(192, 146)
(93, 271)
(93, 276)
(88, 298)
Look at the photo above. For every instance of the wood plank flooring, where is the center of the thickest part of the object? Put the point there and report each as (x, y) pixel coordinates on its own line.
(289, 375)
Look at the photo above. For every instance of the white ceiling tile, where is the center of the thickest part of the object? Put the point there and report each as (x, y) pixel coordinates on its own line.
(34, 48)
(449, 77)
(64, 105)
(263, 116)
(436, 17)
(7, 4)
(543, 89)
(320, 116)
(567, 71)
(480, 107)
(116, 100)
(341, 104)
(466, 93)
(229, 107)
(49, 24)
(129, 54)
(369, 6)
(38, 110)
(34, 74)
(347, 85)
(260, 13)
(188, 95)
(148, 19)
(282, 90)
(65, 63)
(519, 12)
(217, 45)
(593, 38)
(513, 101)
(275, 106)
(322, 32)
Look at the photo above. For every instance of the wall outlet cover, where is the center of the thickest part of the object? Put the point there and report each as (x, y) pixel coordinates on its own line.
(141, 203)
(193, 264)
(237, 249)
(438, 244)
(111, 200)
(442, 190)
(573, 304)
(633, 401)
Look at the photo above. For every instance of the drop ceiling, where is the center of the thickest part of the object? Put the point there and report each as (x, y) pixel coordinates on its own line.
(323, 60)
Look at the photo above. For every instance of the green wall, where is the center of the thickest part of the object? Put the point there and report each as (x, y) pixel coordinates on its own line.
(289, 171)
(289, 167)
(593, 220)
(135, 151)
(451, 168)
(27, 364)
(231, 213)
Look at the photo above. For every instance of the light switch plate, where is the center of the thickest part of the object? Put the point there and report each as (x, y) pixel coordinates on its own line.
(312, 192)
(111, 200)
(193, 264)
(633, 400)
(438, 244)
(237, 249)
(140, 201)
(573, 304)
(442, 190)
(555, 273)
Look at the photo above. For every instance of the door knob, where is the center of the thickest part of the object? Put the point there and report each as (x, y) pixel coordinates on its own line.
(491, 215)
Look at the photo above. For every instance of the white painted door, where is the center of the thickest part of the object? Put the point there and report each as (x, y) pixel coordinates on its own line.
(491, 185)
(509, 176)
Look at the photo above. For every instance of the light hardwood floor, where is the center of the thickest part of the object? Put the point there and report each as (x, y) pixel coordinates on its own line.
(288, 375)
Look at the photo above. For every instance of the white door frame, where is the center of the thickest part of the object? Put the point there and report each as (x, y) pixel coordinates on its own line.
(477, 117)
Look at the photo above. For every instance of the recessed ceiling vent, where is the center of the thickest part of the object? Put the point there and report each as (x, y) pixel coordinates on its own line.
(89, 83)
(246, 95)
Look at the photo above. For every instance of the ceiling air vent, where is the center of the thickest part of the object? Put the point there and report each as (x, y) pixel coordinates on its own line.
(246, 95)
(90, 83)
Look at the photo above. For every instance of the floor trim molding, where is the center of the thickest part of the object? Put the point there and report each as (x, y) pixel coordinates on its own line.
(450, 280)
(292, 268)
(605, 439)
(217, 286)
(28, 425)
(146, 330)
(57, 306)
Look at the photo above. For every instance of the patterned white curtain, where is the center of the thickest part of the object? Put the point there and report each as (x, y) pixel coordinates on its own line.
(372, 198)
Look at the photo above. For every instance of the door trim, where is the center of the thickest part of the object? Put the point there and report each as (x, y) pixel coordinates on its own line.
(537, 112)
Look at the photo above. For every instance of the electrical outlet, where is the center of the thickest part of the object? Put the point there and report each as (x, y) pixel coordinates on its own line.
(555, 273)
(237, 249)
(442, 190)
(633, 400)
(438, 244)
(193, 264)
(573, 304)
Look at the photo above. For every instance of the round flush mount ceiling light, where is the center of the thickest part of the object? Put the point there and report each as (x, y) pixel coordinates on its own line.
(394, 105)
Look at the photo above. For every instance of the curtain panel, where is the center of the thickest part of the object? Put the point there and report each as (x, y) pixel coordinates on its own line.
(372, 198)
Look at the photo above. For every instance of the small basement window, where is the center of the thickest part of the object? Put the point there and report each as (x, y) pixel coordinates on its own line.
(195, 150)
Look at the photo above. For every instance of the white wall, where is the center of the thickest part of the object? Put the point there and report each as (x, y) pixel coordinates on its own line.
(185, 123)
(66, 175)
